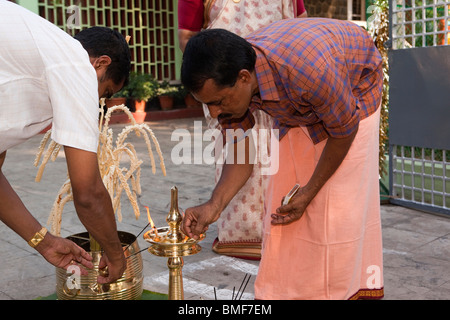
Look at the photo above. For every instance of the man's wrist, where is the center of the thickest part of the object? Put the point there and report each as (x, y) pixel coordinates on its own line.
(38, 237)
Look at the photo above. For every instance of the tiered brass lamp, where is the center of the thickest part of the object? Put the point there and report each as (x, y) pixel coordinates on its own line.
(170, 242)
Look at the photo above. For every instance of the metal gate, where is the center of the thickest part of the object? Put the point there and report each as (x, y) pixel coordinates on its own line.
(152, 25)
(419, 104)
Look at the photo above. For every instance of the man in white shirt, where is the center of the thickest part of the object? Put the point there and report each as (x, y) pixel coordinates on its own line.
(48, 77)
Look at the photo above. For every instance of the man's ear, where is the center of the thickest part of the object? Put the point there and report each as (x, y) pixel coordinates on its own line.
(101, 62)
(244, 75)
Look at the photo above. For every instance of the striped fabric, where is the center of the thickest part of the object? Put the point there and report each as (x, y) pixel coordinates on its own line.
(321, 73)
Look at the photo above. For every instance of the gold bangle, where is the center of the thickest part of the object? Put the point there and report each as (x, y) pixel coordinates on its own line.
(38, 237)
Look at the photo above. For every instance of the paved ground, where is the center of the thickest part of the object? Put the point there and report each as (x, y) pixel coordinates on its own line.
(416, 244)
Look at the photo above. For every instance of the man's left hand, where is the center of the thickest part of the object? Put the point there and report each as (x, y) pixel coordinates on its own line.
(292, 211)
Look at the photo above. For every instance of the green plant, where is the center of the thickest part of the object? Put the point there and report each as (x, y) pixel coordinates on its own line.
(379, 28)
(165, 89)
(183, 91)
(123, 93)
(141, 86)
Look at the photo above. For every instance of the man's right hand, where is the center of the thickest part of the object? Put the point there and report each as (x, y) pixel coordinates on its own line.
(111, 270)
(197, 219)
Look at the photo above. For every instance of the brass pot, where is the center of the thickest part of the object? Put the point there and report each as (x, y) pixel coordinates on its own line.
(72, 286)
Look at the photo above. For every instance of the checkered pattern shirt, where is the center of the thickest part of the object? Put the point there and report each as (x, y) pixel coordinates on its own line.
(320, 73)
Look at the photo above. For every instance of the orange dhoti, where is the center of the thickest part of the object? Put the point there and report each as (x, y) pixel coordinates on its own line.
(334, 251)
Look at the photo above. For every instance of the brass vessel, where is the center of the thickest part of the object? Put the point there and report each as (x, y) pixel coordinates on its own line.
(129, 287)
(170, 242)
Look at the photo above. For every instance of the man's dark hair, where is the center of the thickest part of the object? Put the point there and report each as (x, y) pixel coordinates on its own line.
(215, 54)
(99, 41)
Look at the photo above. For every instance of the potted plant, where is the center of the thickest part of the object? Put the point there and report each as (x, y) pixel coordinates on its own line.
(189, 100)
(166, 94)
(141, 87)
(118, 98)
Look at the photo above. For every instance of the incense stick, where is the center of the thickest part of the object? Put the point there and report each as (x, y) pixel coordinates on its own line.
(245, 277)
(142, 230)
(234, 295)
(245, 286)
(136, 252)
(137, 236)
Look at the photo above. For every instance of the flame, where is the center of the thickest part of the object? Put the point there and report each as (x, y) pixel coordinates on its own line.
(149, 217)
(152, 224)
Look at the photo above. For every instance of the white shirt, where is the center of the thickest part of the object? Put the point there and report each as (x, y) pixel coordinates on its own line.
(45, 78)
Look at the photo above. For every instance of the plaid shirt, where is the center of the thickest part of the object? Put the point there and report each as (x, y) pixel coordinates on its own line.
(320, 73)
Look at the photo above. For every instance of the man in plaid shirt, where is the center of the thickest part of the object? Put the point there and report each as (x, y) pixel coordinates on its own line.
(321, 81)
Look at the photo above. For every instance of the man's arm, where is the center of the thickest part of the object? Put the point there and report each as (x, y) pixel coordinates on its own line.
(58, 251)
(94, 208)
(234, 176)
(197, 219)
(13, 211)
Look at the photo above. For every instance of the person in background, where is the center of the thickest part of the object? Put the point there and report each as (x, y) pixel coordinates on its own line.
(49, 78)
(321, 81)
(240, 225)
(241, 17)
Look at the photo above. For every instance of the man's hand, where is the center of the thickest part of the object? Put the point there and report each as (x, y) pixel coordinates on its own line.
(62, 253)
(111, 270)
(292, 211)
(197, 219)
(331, 158)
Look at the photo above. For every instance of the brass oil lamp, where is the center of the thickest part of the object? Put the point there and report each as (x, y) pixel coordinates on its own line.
(170, 242)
